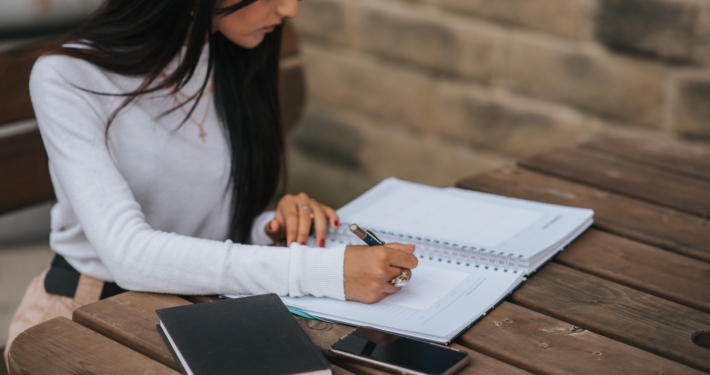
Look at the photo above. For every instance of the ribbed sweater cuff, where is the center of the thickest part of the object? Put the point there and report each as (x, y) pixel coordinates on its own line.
(317, 272)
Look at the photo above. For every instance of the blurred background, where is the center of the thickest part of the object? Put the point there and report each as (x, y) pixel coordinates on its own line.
(436, 90)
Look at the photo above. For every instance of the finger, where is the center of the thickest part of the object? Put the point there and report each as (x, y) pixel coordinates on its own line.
(304, 218)
(401, 247)
(390, 288)
(402, 259)
(332, 216)
(394, 272)
(272, 228)
(320, 223)
(290, 212)
(280, 218)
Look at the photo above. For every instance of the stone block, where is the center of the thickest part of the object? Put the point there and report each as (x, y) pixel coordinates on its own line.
(588, 78)
(324, 20)
(351, 79)
(700, 52)
(387, 149)
(416, 36)
(329, 138)
(506, 123)
(397, 33)
(692, 106)
(567, 18)
(665, 28)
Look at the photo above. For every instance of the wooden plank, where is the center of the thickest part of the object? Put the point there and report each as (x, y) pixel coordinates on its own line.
(130, 319)
(612, 173)
(325, 334)
(61, 346)
(646, 222)
(544, 345)
(24, 170)
(23, 157)
(646, 268)
(653, 324)
(3, 365)
(668, 154)
(15, 67)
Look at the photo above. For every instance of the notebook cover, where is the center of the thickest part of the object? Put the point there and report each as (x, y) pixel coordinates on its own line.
(172, 350)
(251, 335)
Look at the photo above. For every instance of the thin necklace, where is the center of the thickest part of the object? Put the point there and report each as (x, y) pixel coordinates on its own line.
(200, 125)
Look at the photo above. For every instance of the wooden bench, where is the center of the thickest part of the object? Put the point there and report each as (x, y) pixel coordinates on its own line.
(629, 296)
(23, 162)
(24, 173)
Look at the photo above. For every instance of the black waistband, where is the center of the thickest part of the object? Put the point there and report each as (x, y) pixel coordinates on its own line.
(62, 279)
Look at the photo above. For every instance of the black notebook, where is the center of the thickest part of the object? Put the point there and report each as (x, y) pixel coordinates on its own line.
(251, 335)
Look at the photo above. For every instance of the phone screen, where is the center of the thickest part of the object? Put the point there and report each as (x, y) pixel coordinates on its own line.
(399, 351)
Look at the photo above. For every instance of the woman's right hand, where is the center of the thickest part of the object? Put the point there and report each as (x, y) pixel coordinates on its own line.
(369, 269)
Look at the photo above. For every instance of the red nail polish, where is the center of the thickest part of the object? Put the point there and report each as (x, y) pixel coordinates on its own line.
(321, 243)
(302, 242)
(336, 223)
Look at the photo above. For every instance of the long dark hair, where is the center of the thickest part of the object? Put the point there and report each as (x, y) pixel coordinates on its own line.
(140, 38)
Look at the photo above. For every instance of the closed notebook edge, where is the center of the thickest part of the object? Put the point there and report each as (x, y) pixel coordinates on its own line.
(303, 336)
(282, 310)
(173, 350)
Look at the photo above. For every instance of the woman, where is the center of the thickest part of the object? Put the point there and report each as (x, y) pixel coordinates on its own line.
(161, 122)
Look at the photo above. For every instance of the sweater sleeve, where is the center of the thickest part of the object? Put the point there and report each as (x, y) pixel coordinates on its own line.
(73, 127)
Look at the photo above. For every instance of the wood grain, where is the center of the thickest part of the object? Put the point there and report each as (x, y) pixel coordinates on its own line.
(130, 319)
(646, 222)
(23, 157)
(25, 175)
(325, 334)
(15, 67)
(671, 155)
(16, 64)
(3, 365)
(634, 179)
(645, 268)
(544, 345)
(621, 313)
(61, 346)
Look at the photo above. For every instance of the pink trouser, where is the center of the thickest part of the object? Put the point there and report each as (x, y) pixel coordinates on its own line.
(37, 306)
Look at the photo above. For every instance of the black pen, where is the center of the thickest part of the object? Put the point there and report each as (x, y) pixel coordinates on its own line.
(366, 235)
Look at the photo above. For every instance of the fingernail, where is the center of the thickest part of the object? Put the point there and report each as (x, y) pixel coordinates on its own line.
(321, 243)
(272, 225)
(336, 223)
(302, 242)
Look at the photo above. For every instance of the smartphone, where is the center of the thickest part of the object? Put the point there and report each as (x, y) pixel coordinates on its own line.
(399, 354)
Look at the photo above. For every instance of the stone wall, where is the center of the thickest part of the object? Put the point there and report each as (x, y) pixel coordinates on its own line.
(435, 90)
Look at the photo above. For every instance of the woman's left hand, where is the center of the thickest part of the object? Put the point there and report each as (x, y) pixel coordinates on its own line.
(295, 214)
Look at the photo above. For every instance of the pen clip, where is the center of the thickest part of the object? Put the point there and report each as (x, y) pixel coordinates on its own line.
(375, 237)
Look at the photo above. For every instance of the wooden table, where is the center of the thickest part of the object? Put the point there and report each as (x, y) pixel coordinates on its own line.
(629, 296)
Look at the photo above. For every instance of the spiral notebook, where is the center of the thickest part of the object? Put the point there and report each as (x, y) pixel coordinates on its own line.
(474, 249)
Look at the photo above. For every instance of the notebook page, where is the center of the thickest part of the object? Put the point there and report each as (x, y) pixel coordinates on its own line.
(430, 213)
(415, 313)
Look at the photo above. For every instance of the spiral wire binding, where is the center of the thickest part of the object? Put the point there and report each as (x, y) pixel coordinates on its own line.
(440, 250)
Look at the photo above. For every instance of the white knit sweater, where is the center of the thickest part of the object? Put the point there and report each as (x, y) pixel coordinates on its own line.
(149, 208)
